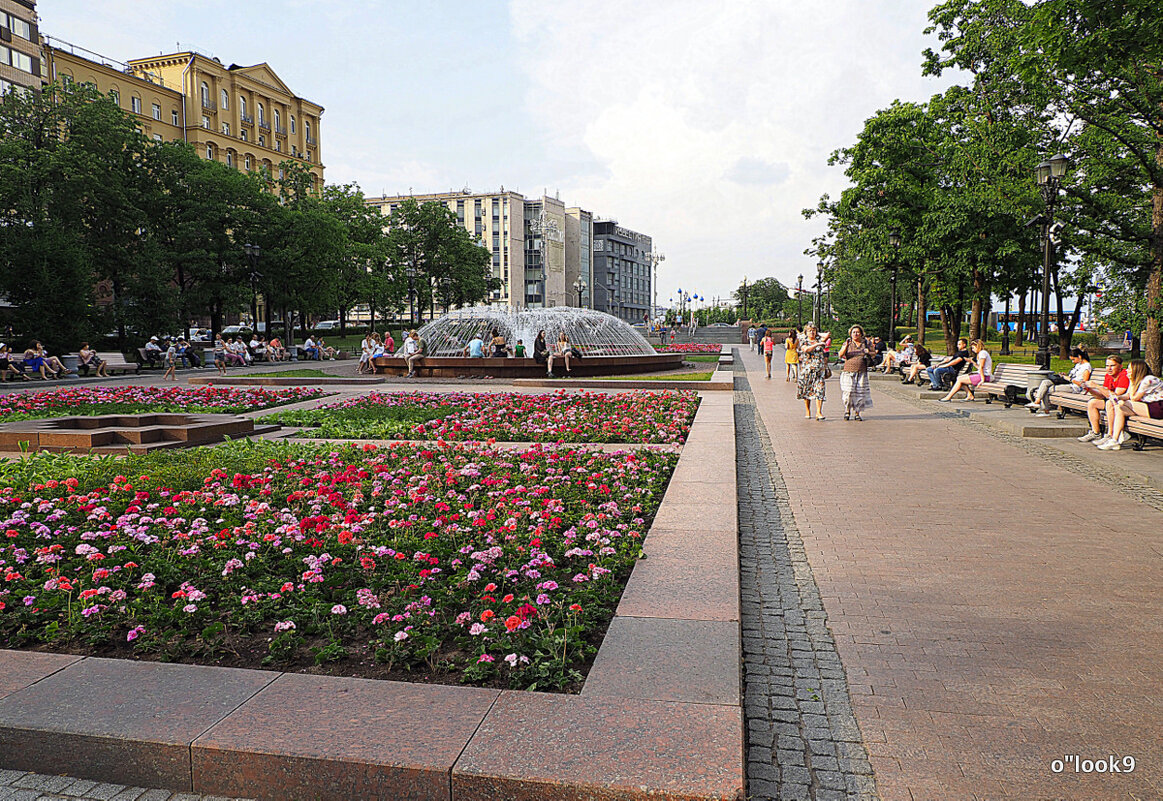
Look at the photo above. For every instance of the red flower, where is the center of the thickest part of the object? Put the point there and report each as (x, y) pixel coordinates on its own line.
(512, 623)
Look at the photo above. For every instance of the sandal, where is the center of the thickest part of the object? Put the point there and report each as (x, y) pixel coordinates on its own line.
(819, 417)
(858, 418)
(846, 416)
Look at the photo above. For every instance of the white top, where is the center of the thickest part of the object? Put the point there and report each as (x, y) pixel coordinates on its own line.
(1150, 389)
(985, 361)
(411, 345)
(1081, 373)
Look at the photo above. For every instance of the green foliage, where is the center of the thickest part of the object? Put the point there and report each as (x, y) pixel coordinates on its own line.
(765, 299)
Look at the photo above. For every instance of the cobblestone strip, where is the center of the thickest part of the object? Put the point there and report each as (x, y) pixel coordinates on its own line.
(1114, 480)
(803, 741)
(20, 785)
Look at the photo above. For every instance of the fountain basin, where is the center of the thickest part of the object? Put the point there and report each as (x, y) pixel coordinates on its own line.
(588, 366)
(125, 433)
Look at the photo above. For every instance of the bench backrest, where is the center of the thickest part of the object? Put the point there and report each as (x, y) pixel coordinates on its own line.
(1010, 373)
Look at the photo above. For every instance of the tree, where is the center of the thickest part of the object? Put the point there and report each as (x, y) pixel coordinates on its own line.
(765, 299)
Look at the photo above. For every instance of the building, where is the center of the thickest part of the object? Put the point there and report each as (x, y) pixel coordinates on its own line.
(157, 107)
(622, 283)
(245, 117)
(21, 64)
(523, 235)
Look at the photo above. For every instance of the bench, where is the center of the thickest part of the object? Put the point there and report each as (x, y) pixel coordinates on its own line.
(113, 361)
(1140, 428)
(1066, 400)
(144, 359)
(1009, 381)
(924, 376)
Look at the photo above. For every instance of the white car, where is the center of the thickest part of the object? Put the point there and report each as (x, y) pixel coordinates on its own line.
(327, 325)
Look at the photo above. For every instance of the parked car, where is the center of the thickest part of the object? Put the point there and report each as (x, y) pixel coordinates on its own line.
(327, 325)
(721, 325)
(237, 331)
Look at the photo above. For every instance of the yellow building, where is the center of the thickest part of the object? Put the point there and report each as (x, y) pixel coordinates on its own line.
(157, 107)
(243, 116)
(20, 57)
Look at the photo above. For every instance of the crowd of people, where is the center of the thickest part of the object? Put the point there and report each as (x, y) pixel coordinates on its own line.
(1124, 393)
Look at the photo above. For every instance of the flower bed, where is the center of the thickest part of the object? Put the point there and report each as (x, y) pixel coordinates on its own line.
(655, 417)
(690, 347)
(460, 563)
(137, 400)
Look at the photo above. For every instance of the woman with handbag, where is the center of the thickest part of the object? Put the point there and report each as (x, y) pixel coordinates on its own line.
(813, 370)
(856, 353)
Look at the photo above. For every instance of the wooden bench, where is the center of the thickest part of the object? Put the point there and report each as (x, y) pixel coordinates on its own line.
(1140, 428)
(113, 361)
(935, 362)
(1009, 381)
(144, 359)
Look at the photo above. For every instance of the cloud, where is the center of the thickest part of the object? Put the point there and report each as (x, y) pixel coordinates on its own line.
(711, 124)
(748, 170)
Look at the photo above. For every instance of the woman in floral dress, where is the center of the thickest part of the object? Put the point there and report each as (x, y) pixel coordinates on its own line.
(813, 366)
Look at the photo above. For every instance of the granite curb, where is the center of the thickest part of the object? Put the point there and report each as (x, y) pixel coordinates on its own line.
(660, 716)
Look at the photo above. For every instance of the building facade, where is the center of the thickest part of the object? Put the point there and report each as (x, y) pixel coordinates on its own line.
(622, 283)
(21, 62)
(245, 117)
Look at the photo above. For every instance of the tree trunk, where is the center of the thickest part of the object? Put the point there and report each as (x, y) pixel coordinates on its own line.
(947, 328)
(975, 307)
(342, 323)
(922, 311)
(1020, 330)
(371, 305)
(303, 324)
(1155, 279)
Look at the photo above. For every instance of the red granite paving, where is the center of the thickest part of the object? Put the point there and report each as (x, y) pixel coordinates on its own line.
(1000, 614)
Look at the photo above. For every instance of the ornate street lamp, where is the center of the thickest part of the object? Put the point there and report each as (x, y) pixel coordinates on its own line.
(253, 254)
(800, 302)
(580, 287)
(894, 239)
(1048, 175)
(655, 257)
(744, 316)
(819, 293)
(410, 271)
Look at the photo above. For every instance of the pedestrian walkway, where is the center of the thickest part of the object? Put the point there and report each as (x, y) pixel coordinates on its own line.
(20, 785)
(998, 617)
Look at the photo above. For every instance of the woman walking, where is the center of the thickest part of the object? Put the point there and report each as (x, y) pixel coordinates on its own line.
(856, 353)
(768, 347)
(791, 356)
(813, 368)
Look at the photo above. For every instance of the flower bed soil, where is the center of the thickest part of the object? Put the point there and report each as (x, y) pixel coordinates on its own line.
(690, 347)
(456, 564)
(137, 400)
(651, 417)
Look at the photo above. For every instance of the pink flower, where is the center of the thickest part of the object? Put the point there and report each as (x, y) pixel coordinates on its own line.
(478, 629)
(339, 609)
(284, 625)
(189, 608)
(400, 636)
(134, 633)
(485, 658)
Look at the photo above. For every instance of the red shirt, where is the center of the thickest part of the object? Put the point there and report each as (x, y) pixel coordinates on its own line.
(1114, 384)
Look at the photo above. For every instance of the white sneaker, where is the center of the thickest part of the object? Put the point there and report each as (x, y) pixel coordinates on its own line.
(1098, 443)
(1033, 405)
(1041, 414)
(1124, 437)
(1110, 445)
(1089, 436)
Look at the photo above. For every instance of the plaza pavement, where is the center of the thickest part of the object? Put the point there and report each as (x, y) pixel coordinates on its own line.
(993, 611)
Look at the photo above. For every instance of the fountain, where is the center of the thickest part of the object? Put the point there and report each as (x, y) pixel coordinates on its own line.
(609, 346)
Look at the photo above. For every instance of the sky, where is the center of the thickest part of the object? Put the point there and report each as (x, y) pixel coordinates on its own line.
(705, 125)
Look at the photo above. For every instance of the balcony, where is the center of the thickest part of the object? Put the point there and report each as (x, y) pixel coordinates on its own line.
(281, 130)
(246, 119)
(311, 140)
(264, 124)
(208, 106)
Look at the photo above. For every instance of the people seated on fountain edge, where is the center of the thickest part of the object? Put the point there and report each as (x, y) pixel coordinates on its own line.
(475, 349)
(519, 351)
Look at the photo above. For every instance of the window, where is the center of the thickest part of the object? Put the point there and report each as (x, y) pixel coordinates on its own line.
(281, 174)
(229, 159)
(262, 115)
(278, 120)
(205, 122)
(242, 133)
(210, 151)
(226, 129)
(135, 104)
(22, 61)
(157, 112)
(246, 161)
(225, 99)
(279, 145)
(174, 119)
(242, 105)
(307, 131)
(157, 137)
(20, 27)
(205, 95)
(308, 155)
(262, 141)
(292, 125)
(113, 93)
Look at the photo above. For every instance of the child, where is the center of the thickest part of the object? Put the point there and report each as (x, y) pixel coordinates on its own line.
(519, 351)
(171, 362)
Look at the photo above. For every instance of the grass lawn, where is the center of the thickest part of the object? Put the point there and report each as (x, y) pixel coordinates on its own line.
(303, 373)
(708, 359)
(704, 376)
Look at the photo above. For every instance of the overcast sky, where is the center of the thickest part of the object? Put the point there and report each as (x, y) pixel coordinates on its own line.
(706, 125)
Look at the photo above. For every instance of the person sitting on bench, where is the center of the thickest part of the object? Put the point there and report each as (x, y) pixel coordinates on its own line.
(1144, 399)
(1074, 381)
(1113, 388)
(950, 368)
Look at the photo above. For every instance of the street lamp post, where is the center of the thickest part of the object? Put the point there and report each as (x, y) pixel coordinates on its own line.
(580, 287)
(655, 258)
(1049, 177)
(745, 317)
(253, 253)
(800, 302)
(819, 294)
(1005, 329)
(894, 239)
